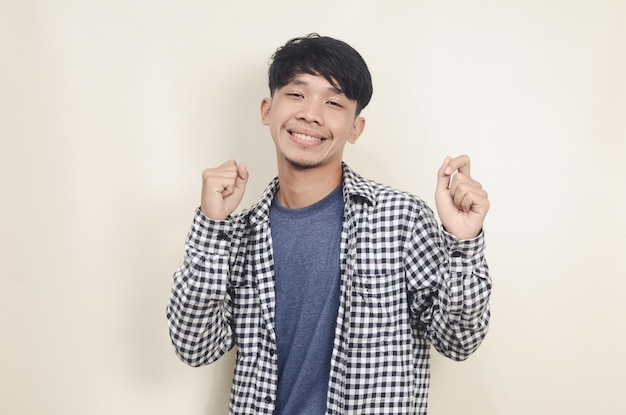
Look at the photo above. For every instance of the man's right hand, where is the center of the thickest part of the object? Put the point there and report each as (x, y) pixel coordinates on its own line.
(222, 189)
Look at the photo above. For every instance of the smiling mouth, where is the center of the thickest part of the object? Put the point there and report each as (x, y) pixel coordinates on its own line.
(304, 137)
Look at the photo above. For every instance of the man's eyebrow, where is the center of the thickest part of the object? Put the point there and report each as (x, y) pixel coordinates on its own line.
(336, 90)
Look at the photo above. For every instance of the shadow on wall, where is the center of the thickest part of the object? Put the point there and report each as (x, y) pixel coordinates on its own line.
(249, 140)
(470, 381)
(219, 389)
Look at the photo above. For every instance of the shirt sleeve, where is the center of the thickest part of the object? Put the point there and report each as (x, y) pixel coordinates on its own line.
(449, 286)
(199, 309)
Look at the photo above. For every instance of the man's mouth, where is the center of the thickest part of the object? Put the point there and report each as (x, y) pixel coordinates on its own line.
(305, 137)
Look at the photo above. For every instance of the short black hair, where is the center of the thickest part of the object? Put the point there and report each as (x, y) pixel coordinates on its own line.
(333, 59)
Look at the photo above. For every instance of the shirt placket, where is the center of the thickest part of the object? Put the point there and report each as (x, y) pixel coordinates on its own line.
(336, 401)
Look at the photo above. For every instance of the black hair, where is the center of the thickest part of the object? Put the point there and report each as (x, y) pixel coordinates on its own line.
(333, 59)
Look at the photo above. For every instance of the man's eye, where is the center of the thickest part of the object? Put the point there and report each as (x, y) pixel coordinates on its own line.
(334, 104)
(295, 95)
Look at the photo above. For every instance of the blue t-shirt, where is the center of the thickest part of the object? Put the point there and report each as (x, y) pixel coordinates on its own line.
(306, 244)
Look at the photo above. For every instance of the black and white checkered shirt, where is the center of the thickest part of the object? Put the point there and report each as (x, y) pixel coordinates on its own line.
(406, 284)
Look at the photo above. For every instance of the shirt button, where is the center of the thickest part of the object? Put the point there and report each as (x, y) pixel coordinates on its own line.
(268, 399)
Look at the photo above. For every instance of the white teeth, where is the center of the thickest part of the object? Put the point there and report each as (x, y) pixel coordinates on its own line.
(305, 137)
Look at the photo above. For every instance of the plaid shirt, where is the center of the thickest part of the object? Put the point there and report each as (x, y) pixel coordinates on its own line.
(405, 285)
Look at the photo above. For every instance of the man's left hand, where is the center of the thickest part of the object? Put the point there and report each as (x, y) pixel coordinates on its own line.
(461, 202)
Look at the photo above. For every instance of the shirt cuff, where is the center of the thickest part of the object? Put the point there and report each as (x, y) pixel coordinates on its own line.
(464, 255)
(208, 235)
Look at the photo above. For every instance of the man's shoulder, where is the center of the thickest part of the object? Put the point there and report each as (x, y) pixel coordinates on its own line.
(378, 193)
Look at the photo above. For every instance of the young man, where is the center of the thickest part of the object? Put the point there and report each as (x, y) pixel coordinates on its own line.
(332, 287)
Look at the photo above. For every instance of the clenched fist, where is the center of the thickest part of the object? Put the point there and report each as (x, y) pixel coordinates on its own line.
(222, 189)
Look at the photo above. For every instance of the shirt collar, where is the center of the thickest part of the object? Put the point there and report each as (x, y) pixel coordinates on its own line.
(356, 189)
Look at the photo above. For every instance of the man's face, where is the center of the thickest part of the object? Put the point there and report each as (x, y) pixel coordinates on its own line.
(310, 121)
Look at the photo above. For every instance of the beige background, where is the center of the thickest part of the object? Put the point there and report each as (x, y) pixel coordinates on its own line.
(110, 110)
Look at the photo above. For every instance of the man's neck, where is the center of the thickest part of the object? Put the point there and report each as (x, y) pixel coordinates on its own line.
(303, 187)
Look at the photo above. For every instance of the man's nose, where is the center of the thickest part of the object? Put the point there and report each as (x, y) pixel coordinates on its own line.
(311, 112)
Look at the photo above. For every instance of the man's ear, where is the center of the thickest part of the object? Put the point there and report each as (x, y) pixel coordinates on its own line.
(265, 110)
(357, 129)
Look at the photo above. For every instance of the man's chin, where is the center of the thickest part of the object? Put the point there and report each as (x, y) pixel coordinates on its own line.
(303, 164)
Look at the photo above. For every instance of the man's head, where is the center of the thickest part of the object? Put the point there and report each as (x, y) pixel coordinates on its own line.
(338, 62)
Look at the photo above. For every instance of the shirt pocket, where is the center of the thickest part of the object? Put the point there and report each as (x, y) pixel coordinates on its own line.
(374, 306)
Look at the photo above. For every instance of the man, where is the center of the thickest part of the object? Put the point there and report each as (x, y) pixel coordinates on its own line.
(332, 287)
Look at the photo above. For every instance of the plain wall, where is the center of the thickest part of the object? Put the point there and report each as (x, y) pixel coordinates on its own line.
(110, 110)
